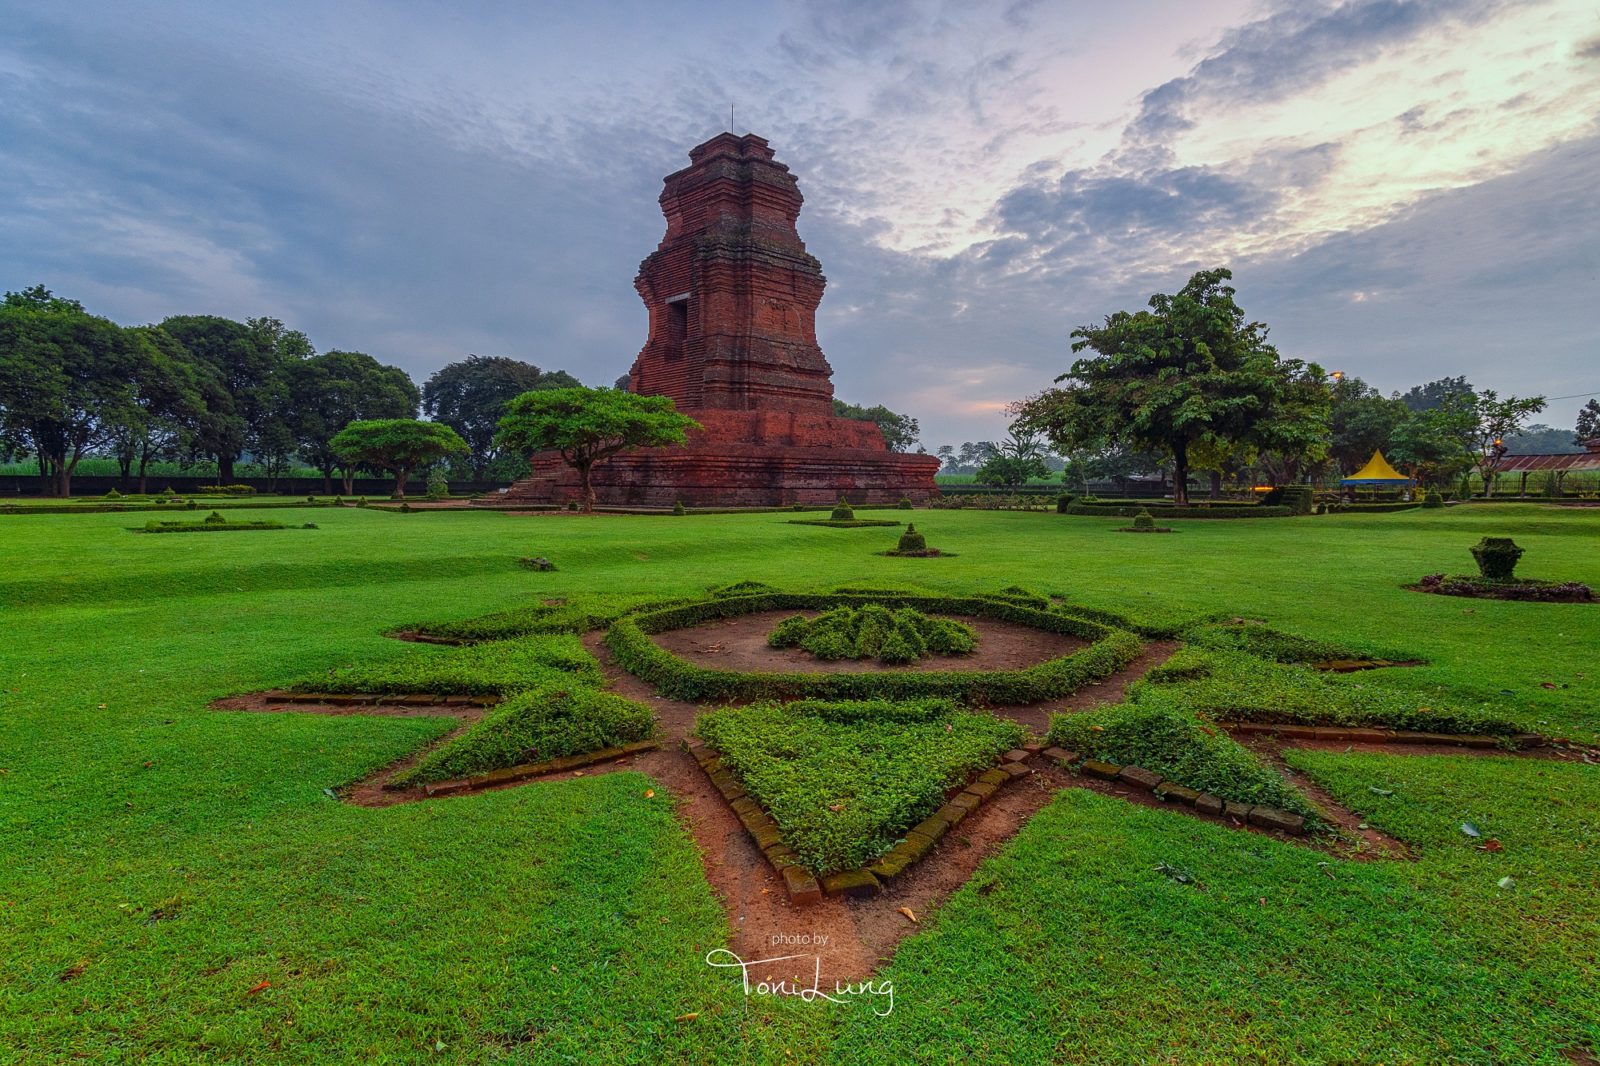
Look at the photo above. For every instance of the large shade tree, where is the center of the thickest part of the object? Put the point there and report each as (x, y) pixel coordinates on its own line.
(1188, 369)
(469, 396)
(67, 380)
(327, 392)
(900, 432)
(173, 392)
(1361, 420)
(398, 445)
(589, 426)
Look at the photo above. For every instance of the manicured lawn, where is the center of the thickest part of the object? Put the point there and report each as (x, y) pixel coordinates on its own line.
(183, 856)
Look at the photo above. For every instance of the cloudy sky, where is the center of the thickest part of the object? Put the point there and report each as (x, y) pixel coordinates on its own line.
(1405, 189)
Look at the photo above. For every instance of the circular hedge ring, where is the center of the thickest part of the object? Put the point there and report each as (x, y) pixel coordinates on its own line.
(629, 639)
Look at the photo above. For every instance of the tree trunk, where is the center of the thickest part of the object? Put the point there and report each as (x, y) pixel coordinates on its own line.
(401, 474)
(327, 481)
(225, 469)
(144, 461)
(1216, 484)
(1180, 476)
(349, 481)
(585, 472)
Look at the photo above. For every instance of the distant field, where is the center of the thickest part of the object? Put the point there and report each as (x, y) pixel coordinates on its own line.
(179, 887)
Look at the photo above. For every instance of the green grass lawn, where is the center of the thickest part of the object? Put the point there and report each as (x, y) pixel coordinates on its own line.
(168, 860)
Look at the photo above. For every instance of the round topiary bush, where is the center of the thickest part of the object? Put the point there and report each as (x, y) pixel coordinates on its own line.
(912, 541)
(572, 505)
(1497, 557)
(1145, 522)
(904, 504)
(214, 518)
(677, 508)
(842, 511)
(1433, 499)
(1063, 501)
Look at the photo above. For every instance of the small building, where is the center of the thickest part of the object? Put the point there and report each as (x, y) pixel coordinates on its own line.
(1558, 466)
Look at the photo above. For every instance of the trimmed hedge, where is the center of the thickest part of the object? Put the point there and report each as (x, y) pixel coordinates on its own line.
(874, 632)
(843, 523)
(542, 723)
(1230, 686)
(206, 526)
(498, 668)
(1219, 510)
(590, 612)
(1159, 737)
(1370, 508)
(629, 639)
(1276, 646)
(845, 780)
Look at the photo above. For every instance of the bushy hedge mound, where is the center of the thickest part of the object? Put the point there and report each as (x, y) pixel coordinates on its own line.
(629, 639)
(1215, 510)
(1337, 507)
(216, 524)
(1525, 589)
(1280, 647)
(498, 668)
(541, 723)
(1231, 686)
(1147, 620)
(845, 780)
(843, 523)
(874, 632)
(1160, 737)
(577, 616)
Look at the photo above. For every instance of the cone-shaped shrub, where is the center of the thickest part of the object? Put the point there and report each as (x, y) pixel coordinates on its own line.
(1145, 522)
(842, 511)
(912, 541)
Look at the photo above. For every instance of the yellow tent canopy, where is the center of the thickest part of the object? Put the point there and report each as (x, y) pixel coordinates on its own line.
(1376, 472)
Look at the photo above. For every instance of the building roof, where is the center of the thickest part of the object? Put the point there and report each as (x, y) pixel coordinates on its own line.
(1521, 464)
(1376, 472)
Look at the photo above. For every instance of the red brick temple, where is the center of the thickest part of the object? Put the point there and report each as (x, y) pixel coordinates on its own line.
(733, 296)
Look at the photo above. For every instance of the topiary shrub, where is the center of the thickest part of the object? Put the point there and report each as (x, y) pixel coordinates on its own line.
(677, 508)
(1464, 493)
(438, 487)
(912, 541)
(874, 632)
(112, 495)
(1144, 522)
(214, 518)
(572, 505)
(190, 506)
(1433, 499)
(1497, 557)
(1063, 501)
(904, 504)
(842, 511)
(1298, 498)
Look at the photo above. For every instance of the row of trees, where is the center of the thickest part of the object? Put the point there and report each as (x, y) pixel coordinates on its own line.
(205, 388)
(1193, 382)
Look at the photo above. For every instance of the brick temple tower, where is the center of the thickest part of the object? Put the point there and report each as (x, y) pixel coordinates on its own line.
(732, 295)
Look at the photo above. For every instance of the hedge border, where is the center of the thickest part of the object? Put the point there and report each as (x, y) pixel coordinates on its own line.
(629, 639)
(1225, 511)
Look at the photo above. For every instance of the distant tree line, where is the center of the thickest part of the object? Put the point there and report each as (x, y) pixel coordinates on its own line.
(202, 388)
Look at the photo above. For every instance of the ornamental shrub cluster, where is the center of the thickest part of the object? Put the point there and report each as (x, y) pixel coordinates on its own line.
(547, 722)
(874, 632)
(844, 780)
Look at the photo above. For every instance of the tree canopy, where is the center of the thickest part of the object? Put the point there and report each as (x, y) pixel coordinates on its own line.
(327, 392)
(900, 432)
(1188, 369)
(471, 395)
(589, 426)
(1588, 427)
(399, 445)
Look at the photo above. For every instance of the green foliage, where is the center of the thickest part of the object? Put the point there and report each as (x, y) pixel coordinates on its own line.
(470, 396)
(1238, 687)
(1497, 557)
(548, 616)
(1158, 735)
(498, 668)
(845, 780)
(1190, 369)
(842, 512)
(1268, 643)
(1063, 501)
(1433, 500)
(904, 504)
(536, 725)
(588, 426)
(438, 486)
(1021, 597)
(214, 523)
(677, 508)
(874, 632)
(327, 392)
(214, 518)
(843, 523)
(899, 431)
(1144, 522)
(912, 541)
(1199, 510)
(629, 640)
(742, 588)
(399, 445)
(1298, 498)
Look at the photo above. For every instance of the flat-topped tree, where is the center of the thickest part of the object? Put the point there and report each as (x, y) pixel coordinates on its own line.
(398, 445)
(589, 426)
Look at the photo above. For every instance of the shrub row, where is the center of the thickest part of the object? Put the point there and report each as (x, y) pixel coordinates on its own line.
(546, 722)
(591, 612)
(845, 780)
(629, 639)
(1232, 686)
(1077, 507)
(874, 632)
(1336, 507)
(498, 668)
(1158, 736)
(113, 508)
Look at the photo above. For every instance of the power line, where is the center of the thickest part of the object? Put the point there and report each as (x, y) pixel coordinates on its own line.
(1574, 396)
